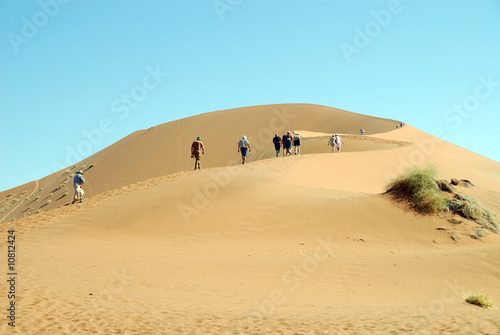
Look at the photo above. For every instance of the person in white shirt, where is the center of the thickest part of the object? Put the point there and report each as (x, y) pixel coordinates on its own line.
(245, 148)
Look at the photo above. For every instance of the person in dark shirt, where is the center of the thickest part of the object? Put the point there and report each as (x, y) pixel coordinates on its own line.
(78, 182)
(197, 149)
(287, 144)
(277, 144)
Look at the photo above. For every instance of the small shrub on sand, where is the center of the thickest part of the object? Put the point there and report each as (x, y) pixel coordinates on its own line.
(419, 188)
(65, 194)
(49, 201)
(91, 166)
(471, 208)
(480, 300)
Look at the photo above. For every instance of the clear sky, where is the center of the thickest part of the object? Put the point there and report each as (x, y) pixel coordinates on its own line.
(80, 72)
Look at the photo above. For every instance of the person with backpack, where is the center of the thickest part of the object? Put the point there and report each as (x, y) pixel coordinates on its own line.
(277, 144)
(287, 144)
(78, 182)
(245, 148)
(296, 143)
(331, 142)
(197, 149)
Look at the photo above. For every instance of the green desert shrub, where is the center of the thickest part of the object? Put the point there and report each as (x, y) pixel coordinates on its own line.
(480, 300)
(65, 194)
(418, 188)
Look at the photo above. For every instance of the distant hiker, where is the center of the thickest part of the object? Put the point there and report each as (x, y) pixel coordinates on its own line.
(78, 182)
(245, 148)
(277, 144)
(287, 144)
(362, 131)
(331, 142)
(338, 142)
(296, 143)
(197, 149)
(283, 140)
(401, 124)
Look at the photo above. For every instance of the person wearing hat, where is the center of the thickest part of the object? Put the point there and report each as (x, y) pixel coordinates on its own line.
(245, 148)
(78, 182)
(197, 149)
(277, 144)
(296, 143)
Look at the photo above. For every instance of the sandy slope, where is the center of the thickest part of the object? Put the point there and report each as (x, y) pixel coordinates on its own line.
(297, 245)
(165, 149)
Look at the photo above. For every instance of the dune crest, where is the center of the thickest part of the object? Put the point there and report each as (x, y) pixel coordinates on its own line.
(291, 245)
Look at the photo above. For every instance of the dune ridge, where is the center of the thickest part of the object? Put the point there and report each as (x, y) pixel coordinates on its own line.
(307, 244)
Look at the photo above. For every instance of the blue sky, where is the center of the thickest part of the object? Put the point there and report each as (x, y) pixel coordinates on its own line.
(71, 68)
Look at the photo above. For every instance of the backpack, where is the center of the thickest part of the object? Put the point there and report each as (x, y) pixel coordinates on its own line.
(196, 145)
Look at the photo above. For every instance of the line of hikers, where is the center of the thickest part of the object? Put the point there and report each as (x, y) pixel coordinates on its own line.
(286, 142)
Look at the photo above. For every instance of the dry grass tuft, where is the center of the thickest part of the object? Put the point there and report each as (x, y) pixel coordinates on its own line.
(471, 208)
(480, 300)
(419, 188)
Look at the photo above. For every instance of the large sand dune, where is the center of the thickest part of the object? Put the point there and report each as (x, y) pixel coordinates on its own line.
(305, 244)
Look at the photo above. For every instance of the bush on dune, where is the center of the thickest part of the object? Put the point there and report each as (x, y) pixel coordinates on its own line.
(480, 300)
(471, 208)
(419, 188)
(423, 192)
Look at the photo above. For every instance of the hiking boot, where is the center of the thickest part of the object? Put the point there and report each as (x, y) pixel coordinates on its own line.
(73, 202)
(81, 200)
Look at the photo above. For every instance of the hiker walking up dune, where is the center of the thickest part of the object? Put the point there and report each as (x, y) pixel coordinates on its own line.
(197, 149)
(277, 144)
(338, 142)
(296, 143)
(78, 182)
(331, 142)
(245, 148)
(287, 144)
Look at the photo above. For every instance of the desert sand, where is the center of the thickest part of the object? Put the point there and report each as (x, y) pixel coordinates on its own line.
(305, 244)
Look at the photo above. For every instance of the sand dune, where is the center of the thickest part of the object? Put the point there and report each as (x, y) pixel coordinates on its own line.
(305, 244)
